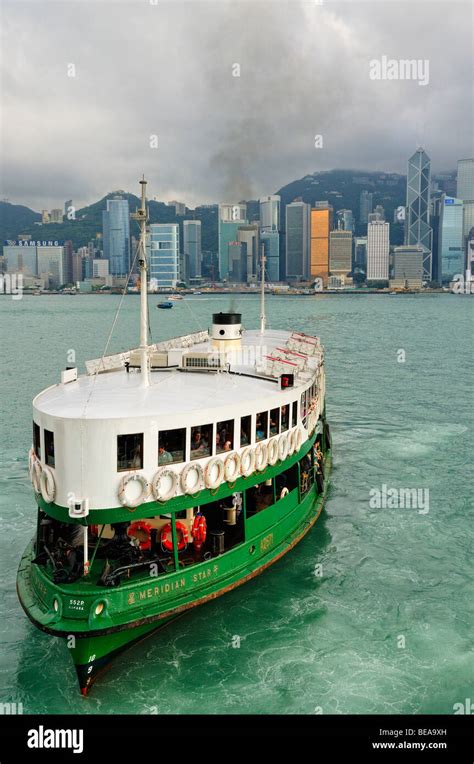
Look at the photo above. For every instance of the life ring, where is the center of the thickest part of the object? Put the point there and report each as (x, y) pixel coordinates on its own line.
(123, 489)
(159, 482)
(142, 527)
(291, 442)
(283, 447)
(36, 477)
(247, 461)
(47, 485)
(214, 472)
(284, 492)
(232, 467)
(185, 480)
(167, 536)
(261, 457)
(298, 439)
(199, 531)
(272, 451)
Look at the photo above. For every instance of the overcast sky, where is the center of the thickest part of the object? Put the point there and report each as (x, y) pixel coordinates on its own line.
(165, 68)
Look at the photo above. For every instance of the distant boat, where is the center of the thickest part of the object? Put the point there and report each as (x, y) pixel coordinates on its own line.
(165, 305)
(176, 297)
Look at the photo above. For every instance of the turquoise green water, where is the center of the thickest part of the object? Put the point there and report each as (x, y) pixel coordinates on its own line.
(387, 627)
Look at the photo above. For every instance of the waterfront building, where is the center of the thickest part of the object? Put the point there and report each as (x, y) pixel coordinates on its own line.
(340, 252)
(116, 235)
(20, 258)
(407, 267)
(378, 250)
(192, 247)
(360, 253)
(51, 265)
(248, 238)
(321, 225)
(100, 268)
(450, 238)
(418, 229)
(465, 192)
(163, 254)
(271, 249)
(297, 241)
(270, 213)
(231, 216)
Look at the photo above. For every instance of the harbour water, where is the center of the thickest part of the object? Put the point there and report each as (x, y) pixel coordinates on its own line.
(372, 611)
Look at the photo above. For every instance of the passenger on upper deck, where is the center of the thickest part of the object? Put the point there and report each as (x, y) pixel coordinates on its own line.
(164, 457)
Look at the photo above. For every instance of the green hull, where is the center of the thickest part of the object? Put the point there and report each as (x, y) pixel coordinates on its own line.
(142, 605)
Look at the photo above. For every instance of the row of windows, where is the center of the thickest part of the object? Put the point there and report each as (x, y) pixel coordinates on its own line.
(206, 439)
(48, 444)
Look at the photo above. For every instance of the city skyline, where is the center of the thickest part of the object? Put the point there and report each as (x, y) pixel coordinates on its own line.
(74, 110)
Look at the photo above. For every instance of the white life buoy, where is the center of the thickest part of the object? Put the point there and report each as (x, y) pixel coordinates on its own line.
(284, 492)
(47, 485)
(272, 451)
(283, 447)
(191, 478)
(232, 467)
(213, 472)
(122, 492)
(298, 439)
(247, 461)
(32, 458)
(291, 442)
(261, 457)
(164, 484)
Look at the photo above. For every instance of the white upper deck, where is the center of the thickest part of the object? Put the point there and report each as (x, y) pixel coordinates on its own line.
(252, 374)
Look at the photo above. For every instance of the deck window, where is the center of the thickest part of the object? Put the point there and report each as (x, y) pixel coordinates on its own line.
(245, 430)
(130, 452)
(261, 426)
(295, 414)
(49, 447)
(37, 439)
(285, 418)
(171, 446)
(201, 441)
(274, 422)
(225, 436)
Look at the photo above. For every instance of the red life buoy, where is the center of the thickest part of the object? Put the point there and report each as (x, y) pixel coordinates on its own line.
(167, 536)
(142, 527)
(199, 531)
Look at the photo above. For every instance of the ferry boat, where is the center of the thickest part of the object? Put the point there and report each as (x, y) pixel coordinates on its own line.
(168, 475)
(165, 305)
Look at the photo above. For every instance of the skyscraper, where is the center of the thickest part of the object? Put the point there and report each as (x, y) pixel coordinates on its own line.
(231, 216)
(340, 253)
(271, 248)
(321, 225)
(365, 206)
(248, 238)
(116, 235)
(297, 241)
(465, 191)
(378, 250)
(407, 267)
(450, 239)
(270, 213)
(192, 247)
(418, 229)
(345, 220)
(163, 255)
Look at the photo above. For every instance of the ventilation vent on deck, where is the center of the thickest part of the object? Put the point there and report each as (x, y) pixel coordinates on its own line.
(203, 361)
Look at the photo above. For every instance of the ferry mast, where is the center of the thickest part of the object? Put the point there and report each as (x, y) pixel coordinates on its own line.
(141, 216)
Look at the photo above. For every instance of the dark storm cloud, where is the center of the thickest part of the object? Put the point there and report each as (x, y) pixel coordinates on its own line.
(167, 70)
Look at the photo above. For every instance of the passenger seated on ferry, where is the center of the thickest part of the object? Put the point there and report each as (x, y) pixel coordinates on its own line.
(164, 457)
(227, 446)
(273, 427)
(259, 429)
(218, 443)
(243, 438)
(136, 462)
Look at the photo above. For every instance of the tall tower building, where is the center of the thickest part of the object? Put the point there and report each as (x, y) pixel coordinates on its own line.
(345, 220)
(192, 247)
(248, 238)
(465, 192)
(297, 241)
(365, 207)
(231, 216)
(163, 255)
(418, 229)
(378, 250)
(116, 235)
(450, 239)
(270, 213)
(321, 225)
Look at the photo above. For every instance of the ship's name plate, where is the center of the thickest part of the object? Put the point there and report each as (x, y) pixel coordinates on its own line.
(170, 586)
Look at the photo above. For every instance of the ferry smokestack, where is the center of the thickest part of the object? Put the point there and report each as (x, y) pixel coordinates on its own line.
(226, 332)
